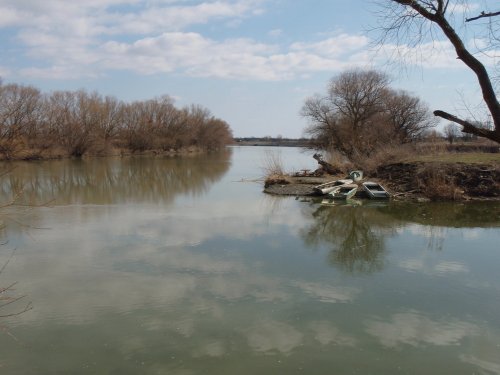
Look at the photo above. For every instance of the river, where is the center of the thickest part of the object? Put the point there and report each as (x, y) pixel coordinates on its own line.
(161, 265)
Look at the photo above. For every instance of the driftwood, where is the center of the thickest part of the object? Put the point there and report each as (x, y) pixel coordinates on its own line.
(327, 167)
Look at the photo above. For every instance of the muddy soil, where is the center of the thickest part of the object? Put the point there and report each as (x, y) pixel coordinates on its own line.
(443, 181)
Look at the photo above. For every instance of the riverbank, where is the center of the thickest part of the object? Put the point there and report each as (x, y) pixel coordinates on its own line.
(59, 153)
(272, 142)
(414, 181)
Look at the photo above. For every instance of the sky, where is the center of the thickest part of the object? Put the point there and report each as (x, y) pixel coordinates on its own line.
(252, 63)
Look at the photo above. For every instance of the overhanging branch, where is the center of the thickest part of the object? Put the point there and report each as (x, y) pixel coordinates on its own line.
(467, 127)
(483, 15)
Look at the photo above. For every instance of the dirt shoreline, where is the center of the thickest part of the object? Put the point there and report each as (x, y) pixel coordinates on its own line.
(412, 182)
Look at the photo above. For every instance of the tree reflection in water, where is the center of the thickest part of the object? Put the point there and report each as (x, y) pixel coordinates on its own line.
(157, 179)
(356, 236)
(448, 214)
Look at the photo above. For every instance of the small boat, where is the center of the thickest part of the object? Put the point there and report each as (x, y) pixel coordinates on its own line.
(356, 175)
(344, 191)
(327, 187)
(375, 190)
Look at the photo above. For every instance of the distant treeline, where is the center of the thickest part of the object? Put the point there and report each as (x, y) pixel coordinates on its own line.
(36, 125)
(270, 141)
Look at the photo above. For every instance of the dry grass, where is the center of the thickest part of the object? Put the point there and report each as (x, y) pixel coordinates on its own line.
(389, 154)
(273, 164)
(423, 153)
(273, 169)
(437, 185)
(339, 161)
(467, 157)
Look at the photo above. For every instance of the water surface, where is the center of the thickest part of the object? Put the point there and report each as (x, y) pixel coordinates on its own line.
(158, 265)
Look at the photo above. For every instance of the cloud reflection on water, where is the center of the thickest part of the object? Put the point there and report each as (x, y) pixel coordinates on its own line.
(414, 328)
(208, 276)
(271, 335)
(441, 268)
(328, 293)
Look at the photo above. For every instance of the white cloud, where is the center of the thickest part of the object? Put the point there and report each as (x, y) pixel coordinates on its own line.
(430, 55)
(197, 55)
(91, 38)
(275, 33)
(334, 46)
(179, 17)
(9, 17)
(92, 17)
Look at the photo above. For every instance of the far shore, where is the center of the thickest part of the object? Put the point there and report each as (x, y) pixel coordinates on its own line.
(276, 142)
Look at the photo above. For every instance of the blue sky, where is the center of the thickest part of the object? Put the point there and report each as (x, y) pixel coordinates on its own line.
(251, 62)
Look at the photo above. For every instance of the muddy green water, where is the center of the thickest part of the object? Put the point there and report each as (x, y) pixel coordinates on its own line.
(183, 266)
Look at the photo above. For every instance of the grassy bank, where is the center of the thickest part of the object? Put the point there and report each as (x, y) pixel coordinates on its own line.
(467, 158)
(437, 176)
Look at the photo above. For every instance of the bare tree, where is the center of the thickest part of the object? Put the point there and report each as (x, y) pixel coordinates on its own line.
(75, 123)
(408, 115)
(137, 124)
(75, 119)
(357, 95)
(110, 116)
(354, 98)
(451, 132)
(323, 128)
(361, 113)
(407, 19)
(19, 107)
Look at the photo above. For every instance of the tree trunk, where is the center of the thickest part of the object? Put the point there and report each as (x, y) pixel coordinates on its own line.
(327, 167)
(468, 59)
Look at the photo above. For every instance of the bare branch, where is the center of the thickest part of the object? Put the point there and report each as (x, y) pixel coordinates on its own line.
(467, 127)
(432, 13)
(483, 15)
(28, 307)
(7, 262)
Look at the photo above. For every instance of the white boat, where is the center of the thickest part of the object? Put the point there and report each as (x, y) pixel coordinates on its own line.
(375, 190)
(344, 191)
(356, 175)
(327, 187)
